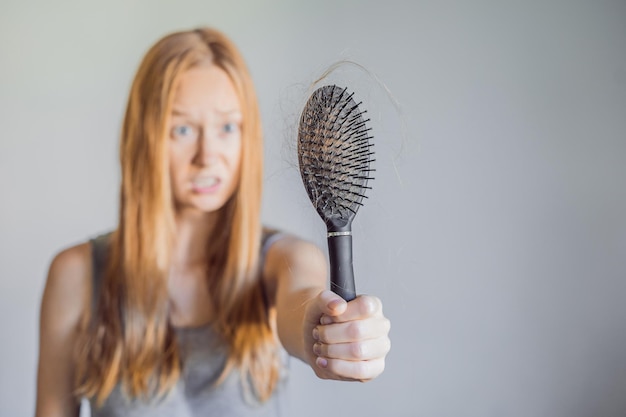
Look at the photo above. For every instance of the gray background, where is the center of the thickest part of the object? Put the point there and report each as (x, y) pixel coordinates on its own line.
(496, 230)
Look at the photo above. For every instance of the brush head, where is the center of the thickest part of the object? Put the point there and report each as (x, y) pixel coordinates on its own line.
(334, 153)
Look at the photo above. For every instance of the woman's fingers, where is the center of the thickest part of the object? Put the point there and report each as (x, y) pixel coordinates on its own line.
(363, 306)
(349, 340)
(356, 351)
(352, 331)
(351, 370)
(330, 303)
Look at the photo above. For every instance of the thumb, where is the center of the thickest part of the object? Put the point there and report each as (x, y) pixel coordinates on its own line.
(326, 303)
(331, 304)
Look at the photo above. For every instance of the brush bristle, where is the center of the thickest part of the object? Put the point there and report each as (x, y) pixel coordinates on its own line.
(334, 152)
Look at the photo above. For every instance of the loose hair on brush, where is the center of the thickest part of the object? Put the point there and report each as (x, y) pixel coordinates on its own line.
(128, 338)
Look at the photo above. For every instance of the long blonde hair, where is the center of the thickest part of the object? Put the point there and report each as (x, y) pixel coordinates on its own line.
(129, 339)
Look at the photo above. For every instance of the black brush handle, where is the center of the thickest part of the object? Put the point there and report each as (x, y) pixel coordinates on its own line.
(341, 272)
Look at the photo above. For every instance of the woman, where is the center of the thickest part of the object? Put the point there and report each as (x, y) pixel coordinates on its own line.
(186, 307)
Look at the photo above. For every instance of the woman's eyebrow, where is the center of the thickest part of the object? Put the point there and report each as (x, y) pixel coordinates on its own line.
(233, 112)
(178, 112)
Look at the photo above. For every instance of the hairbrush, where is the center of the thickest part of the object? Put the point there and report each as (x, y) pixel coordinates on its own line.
(334, 154)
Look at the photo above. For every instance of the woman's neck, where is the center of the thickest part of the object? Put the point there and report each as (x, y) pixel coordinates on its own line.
(192, 234)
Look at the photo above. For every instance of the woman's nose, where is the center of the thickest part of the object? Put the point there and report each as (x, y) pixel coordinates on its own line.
(208, 149)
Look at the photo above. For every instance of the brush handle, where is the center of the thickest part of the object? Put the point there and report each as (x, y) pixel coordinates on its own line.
(341, 272)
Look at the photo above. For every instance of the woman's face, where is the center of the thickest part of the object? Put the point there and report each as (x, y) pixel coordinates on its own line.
(205, 139)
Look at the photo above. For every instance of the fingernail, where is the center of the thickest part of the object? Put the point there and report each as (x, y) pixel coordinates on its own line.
(317, 348)
(334, 304)
(316, 334)
(321, 362)
(326, 320)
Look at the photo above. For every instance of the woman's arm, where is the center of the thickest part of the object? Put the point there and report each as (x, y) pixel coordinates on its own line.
(339, 340)
(65, 301)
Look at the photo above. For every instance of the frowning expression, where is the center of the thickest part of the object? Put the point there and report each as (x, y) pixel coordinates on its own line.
(205, 139)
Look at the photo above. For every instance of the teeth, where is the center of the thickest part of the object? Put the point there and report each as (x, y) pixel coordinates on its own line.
(205, 182)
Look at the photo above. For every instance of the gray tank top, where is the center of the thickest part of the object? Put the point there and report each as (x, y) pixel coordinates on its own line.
(203, 357)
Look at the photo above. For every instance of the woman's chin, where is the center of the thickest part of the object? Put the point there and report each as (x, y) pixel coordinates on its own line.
(201, 205)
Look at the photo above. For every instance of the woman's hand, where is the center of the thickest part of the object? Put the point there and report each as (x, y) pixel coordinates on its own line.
(346, 340)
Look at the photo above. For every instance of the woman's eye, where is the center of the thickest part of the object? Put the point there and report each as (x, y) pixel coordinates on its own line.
(230, 127)
(183, 131)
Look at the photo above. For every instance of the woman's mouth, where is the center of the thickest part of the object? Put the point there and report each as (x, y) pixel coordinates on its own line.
(205, 184)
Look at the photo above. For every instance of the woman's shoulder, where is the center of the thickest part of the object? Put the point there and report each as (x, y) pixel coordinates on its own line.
(70, 266)
(71, 258)
(67, 294)
(289, 251)
(278, 242)
(64, 310)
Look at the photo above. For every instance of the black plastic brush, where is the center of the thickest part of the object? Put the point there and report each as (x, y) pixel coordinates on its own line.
(335, 153)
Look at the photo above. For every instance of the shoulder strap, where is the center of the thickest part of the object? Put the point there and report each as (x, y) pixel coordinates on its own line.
(99, 254)
(268, 238)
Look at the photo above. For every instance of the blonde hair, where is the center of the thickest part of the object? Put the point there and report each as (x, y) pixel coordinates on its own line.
(129, 339)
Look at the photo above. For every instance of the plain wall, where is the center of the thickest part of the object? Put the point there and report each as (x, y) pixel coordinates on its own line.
(495, 232)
